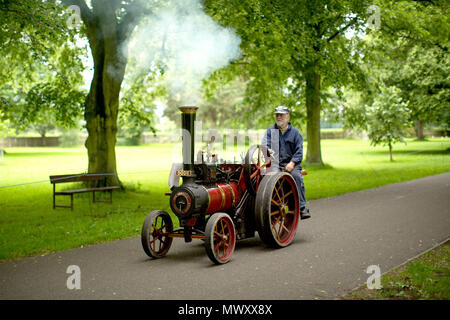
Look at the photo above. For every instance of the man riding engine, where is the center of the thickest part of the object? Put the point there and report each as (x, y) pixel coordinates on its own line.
(221, 203)
(286, 145)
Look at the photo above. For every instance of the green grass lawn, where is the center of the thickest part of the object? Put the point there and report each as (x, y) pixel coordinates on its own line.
(29, 225)
(426, 277)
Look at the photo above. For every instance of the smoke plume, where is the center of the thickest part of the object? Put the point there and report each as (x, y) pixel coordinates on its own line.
(187, 43)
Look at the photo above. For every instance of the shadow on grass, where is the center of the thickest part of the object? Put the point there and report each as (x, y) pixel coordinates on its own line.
(411, 151)
(317, 166)
(42, 154)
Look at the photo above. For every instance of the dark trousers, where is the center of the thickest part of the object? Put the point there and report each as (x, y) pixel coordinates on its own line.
(296, 174)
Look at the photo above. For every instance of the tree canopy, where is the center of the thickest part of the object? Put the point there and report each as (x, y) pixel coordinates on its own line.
(293, 50)
(40, 65)
(312, 56)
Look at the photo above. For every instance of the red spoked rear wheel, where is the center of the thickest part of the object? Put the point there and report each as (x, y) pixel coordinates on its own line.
(220, 238)
(277, 209)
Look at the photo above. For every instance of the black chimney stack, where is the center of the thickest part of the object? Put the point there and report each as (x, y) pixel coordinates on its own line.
(188, 134)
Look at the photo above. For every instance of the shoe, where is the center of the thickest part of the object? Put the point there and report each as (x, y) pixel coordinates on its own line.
(304, 213)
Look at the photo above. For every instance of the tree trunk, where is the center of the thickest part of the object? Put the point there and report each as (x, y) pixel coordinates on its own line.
(101, 112)
(419, 130)
(102, 103)
(108, 39)
(390, 152)
(314, 154)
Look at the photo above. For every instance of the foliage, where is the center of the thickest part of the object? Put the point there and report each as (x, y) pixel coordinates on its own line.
(280, 38)
(410, 51)
(421, 74)
(139, 91)
(5, 129)
(42, 80)
(292, 52)
(70, 138)
(387, 118)
(224, 106)
(221, 105)
(30, 31)
(426, 23)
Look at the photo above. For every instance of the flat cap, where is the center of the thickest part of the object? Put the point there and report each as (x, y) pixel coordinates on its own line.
(282, 109)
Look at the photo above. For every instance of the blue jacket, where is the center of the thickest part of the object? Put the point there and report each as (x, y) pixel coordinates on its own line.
(290, 145)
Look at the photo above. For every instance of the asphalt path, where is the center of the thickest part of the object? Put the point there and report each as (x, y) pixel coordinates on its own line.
(383, 226)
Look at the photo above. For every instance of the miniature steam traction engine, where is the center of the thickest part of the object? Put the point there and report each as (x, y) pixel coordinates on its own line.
(220, 203)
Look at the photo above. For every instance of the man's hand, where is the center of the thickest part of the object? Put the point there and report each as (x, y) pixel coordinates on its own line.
(290, 166)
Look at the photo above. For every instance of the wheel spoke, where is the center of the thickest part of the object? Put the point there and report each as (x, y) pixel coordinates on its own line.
(276, 222)
(254, 174)
(155, 225)
(274, 213)
(218, 245)
(153, 244)
(287, 194)
(280, 229)
(280, 188)
(284, 227)
(278, 195)
(275, 203)
(223, 227)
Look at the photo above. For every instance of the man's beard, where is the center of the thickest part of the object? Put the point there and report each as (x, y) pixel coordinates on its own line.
(281, 123)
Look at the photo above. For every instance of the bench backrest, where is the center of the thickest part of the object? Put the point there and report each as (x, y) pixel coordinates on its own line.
(76, 177)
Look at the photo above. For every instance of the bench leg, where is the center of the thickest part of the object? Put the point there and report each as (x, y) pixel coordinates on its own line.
(108, 201)
(63, 206)
(54, 202)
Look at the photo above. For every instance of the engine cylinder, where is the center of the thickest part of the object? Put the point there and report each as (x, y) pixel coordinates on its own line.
(222, 198)
(191, 199)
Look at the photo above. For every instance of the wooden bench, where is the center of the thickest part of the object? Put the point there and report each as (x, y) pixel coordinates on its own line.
(80, 178)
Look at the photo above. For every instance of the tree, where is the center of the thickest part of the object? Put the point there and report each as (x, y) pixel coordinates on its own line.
(108, 26)
(423, 79)
(411, 52)
(387, 118)
(296, 44)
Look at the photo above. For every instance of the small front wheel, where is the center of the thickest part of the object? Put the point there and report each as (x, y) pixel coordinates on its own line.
(220, 238)
(155, 234)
